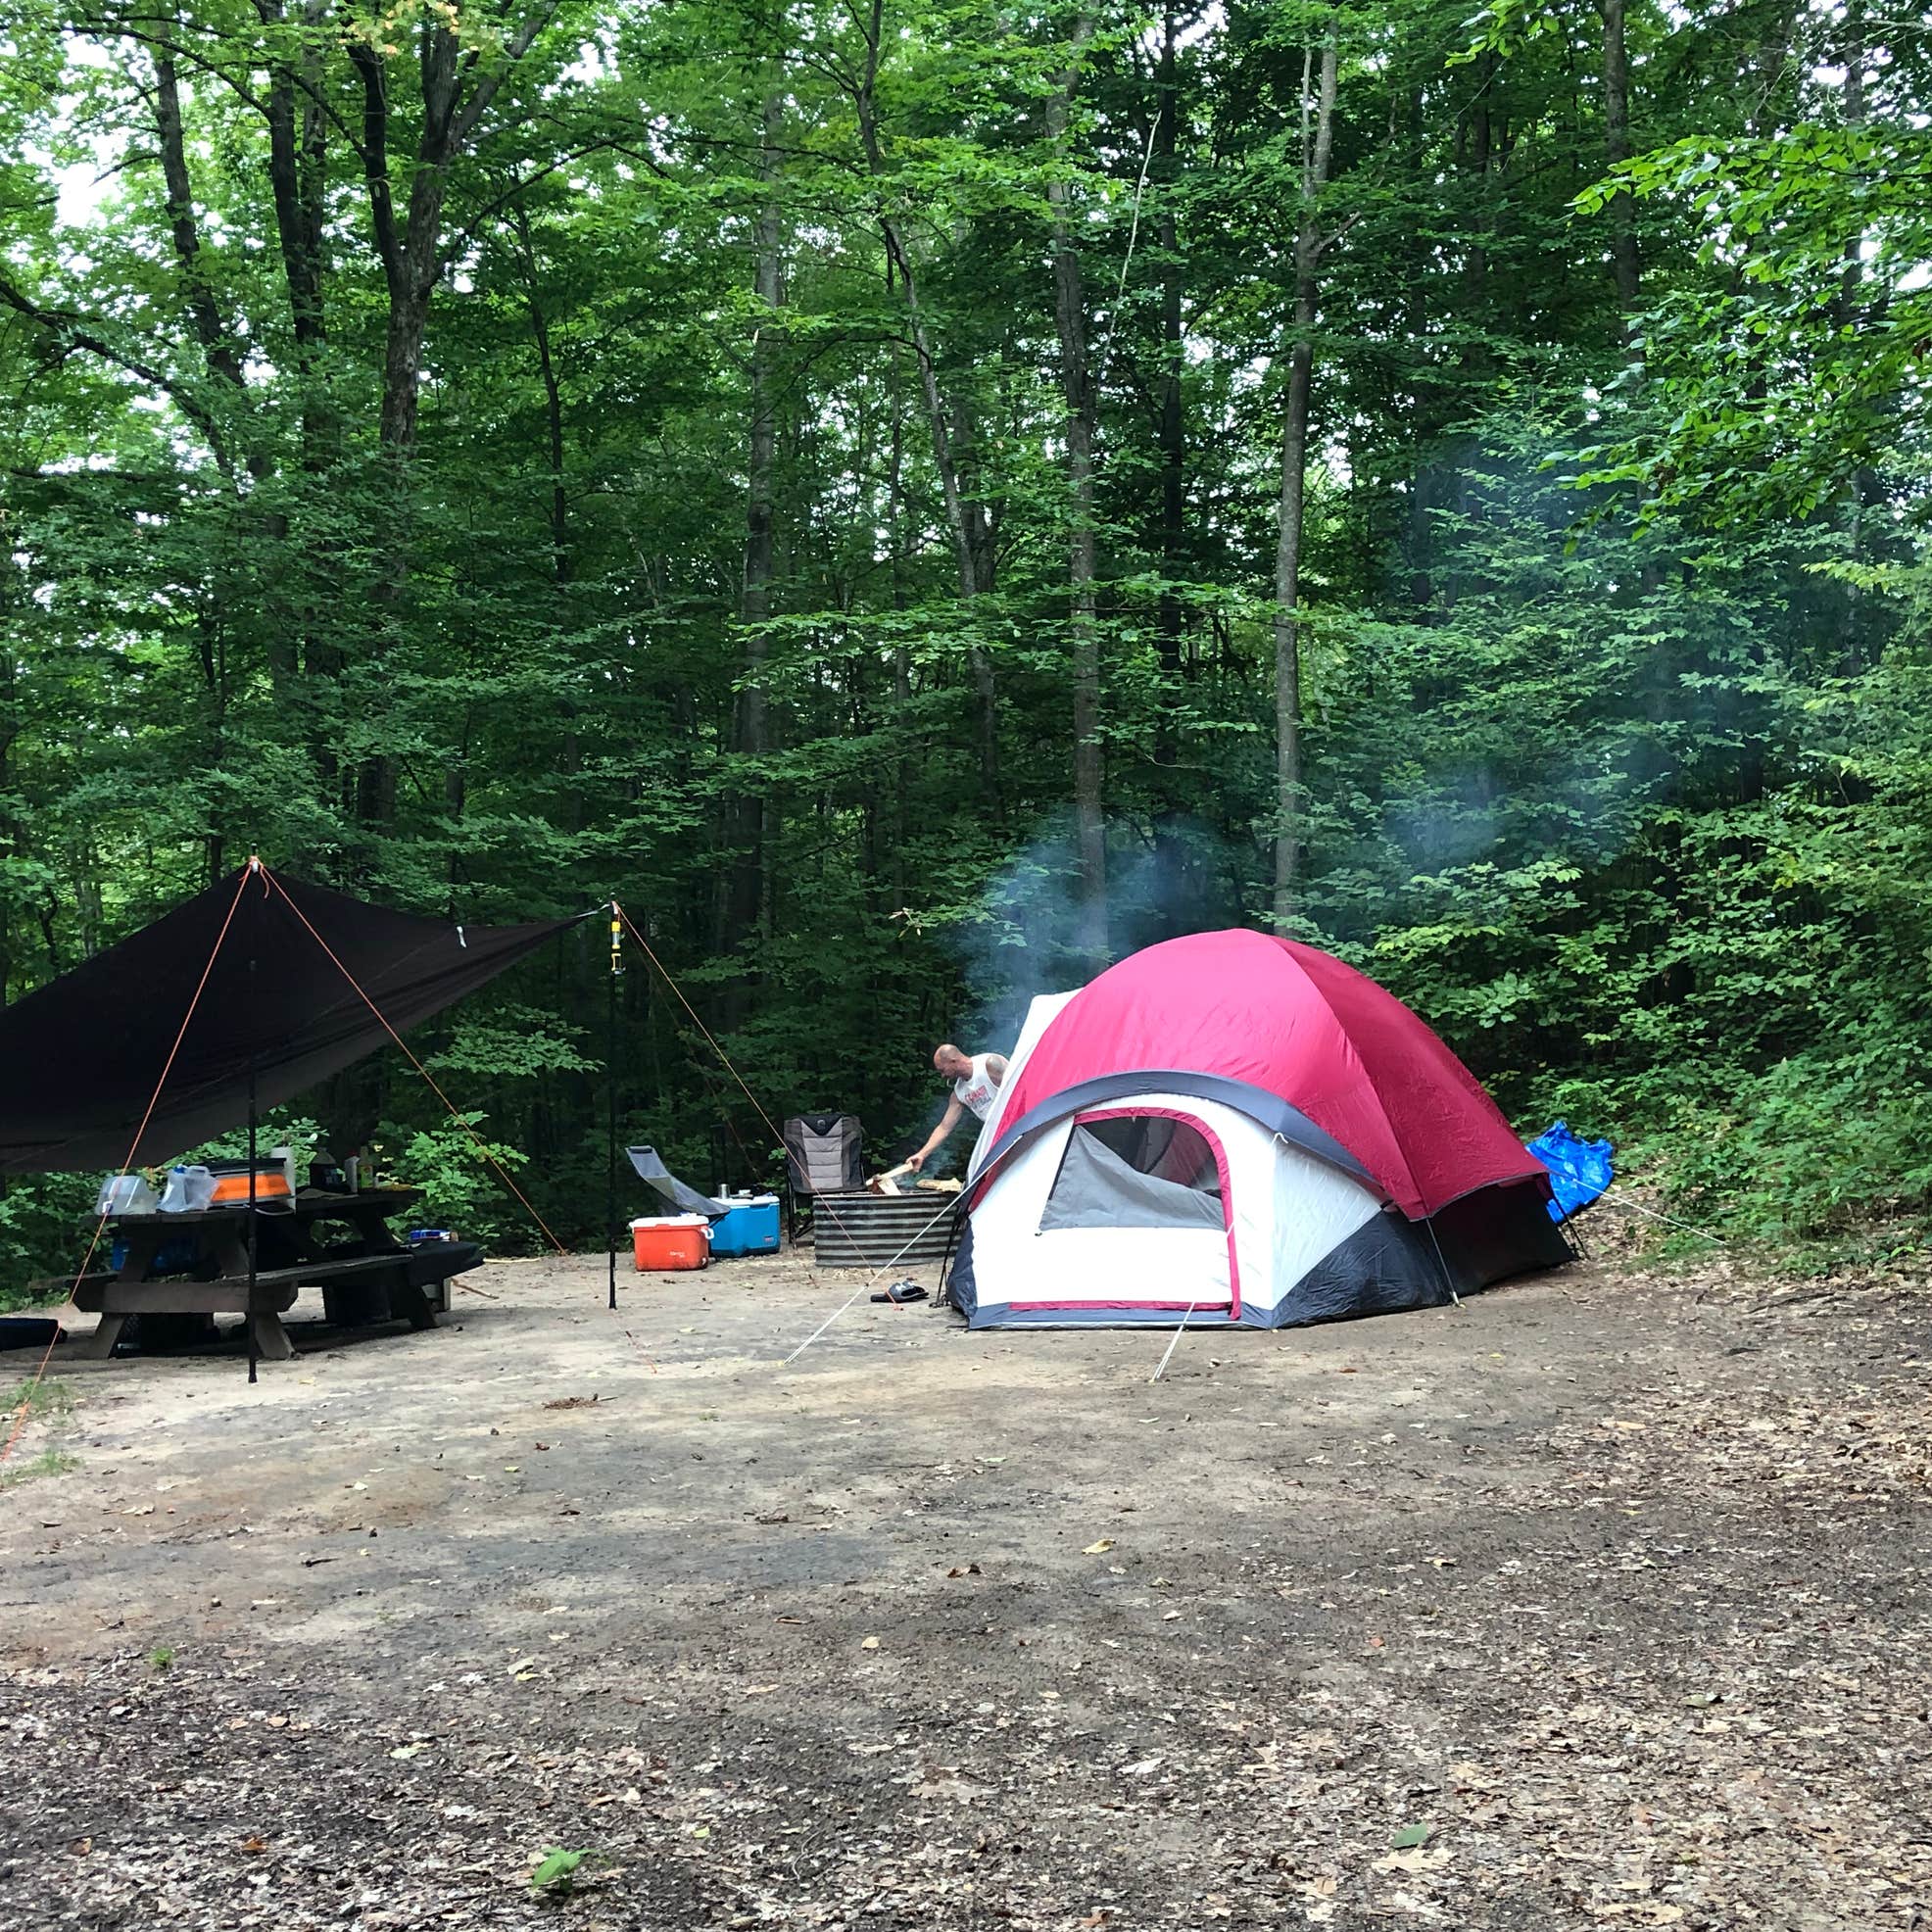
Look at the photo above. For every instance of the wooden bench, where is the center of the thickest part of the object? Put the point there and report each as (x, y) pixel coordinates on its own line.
(276, 1289)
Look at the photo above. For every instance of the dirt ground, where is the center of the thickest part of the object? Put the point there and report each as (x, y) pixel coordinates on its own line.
(1601, 1600)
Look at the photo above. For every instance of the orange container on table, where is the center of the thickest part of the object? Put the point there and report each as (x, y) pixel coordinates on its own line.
(667, 1241)
(231, 1183)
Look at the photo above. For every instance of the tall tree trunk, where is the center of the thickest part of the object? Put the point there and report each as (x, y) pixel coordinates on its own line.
(1076, 392)
(1616, 151)
(1867, 488)
(746, 806)
(1482, 158)
(965, 521)
(560, 501)
(298, 157)
(410, 252)
(1172, 910)
(901, 655)
(1317, 145)
(210, 332)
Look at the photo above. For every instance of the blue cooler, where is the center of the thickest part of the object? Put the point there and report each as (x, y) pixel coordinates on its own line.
(750, 1226)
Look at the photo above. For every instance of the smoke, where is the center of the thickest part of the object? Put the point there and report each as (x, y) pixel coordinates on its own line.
(1023, 937)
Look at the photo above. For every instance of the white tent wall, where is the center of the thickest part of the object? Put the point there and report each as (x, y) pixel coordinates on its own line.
(1287, 1211)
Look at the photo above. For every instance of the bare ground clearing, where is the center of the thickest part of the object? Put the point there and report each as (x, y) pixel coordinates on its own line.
(1615, 1584)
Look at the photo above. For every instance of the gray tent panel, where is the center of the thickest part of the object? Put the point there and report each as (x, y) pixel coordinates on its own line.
(1096, 1188)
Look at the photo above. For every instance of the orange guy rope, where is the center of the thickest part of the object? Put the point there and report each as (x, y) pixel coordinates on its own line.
(481, 1146)
(725, 1059)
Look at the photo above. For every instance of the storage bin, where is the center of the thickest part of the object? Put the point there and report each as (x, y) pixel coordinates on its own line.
(659, 1242)
(231, 1183)
(750, 1228)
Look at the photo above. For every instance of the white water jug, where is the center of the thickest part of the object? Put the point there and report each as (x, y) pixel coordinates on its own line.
(124, 1193)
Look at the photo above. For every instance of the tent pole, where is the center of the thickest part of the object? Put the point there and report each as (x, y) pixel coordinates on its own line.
(610, 1094)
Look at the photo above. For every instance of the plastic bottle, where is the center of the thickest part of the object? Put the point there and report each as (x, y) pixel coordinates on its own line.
(200, 1187)
(174, 1195)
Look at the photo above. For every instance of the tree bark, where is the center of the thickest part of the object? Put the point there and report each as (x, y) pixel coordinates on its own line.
(1171, 434)
(298, 151)
(559, 499)
(965, 523)
(412, 253)
(1317, 146)
(746, 806)
(411, 259)
(210, 332)
(1616, 151)
(1077, 392)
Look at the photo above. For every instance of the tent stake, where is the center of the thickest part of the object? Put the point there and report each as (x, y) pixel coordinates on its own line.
(1174, 1344)
(610, 1094)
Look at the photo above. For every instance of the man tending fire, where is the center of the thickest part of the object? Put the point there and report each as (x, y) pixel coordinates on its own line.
(976, 1082)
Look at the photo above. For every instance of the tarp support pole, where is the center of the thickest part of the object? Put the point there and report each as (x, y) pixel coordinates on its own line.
(249, 1320)
(610, 1094)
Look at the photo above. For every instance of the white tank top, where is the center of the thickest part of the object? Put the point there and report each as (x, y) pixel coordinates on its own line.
(978, 1090)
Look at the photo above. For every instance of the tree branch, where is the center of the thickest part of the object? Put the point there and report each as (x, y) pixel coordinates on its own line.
(376, 158)
(485, 91)
(75, 332)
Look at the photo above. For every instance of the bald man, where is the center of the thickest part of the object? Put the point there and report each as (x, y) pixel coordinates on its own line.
(976, 1081)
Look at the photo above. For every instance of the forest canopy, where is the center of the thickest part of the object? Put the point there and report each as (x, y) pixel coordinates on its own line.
(917, 501)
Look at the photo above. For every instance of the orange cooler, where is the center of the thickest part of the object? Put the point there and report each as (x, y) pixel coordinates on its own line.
(672, 1240)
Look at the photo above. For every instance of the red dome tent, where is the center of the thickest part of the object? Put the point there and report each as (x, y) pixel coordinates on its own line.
(1244, 1126)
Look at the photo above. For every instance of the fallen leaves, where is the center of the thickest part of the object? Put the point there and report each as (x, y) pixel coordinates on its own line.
(1420, 1859)
(1098, 1549)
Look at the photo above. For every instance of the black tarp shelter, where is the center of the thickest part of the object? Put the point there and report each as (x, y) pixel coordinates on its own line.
(282, 983)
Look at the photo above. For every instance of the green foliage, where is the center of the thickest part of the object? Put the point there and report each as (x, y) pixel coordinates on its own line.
(461, 1174)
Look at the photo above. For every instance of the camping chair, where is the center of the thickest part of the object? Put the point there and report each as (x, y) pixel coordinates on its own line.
(824, 1154)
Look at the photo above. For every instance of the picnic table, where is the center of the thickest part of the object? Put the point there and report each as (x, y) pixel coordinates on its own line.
(370, 1277)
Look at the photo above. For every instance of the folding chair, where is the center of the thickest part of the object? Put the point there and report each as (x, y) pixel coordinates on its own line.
(824, 1154)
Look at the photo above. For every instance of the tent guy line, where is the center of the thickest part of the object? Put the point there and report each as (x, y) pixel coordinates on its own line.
(824, 1206)
(949, 1207)
(481, 1146)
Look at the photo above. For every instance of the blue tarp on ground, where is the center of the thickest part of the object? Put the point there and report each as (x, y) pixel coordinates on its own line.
(1579, 1170)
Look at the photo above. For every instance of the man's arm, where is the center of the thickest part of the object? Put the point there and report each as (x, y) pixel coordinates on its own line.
(947, 1122)
(997, 1069)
